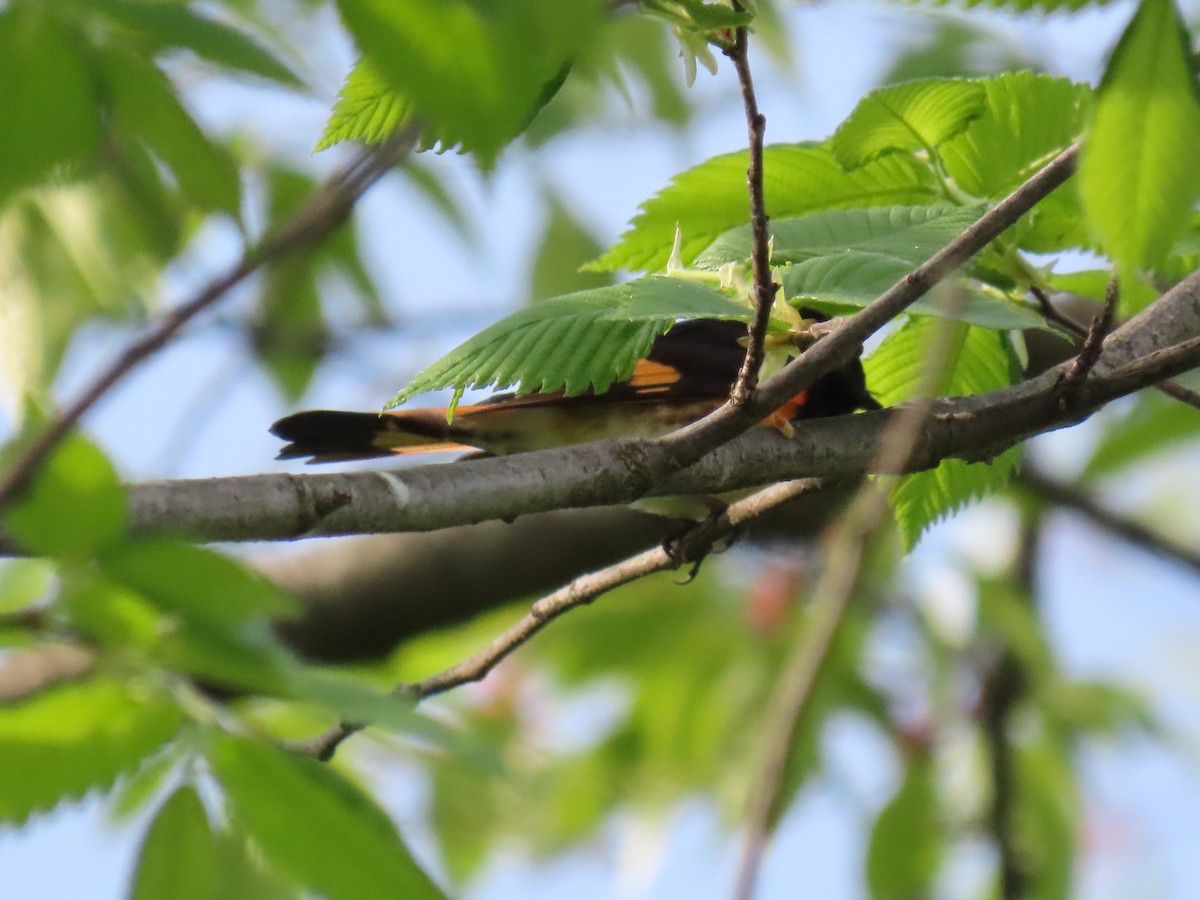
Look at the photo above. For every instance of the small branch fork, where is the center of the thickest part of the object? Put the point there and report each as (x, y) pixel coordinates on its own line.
(1172, 389)
(326, 209)
(1093, 341)
(579, 592)
(764, 286)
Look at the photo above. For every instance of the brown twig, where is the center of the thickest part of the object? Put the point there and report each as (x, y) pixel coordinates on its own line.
(327, 209)
(1072, 498)
(760, 256)
(579, 592)
(1172, 389)
(1093, 341)
(27, 671)
(829, 605)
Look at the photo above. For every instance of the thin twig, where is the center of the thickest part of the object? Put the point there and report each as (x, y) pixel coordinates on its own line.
(829, 605)
(327, 209)
(28, 671)
(1093, 342)
(579, 592)
(1070, 497)
(1172, 389)
(760, 256)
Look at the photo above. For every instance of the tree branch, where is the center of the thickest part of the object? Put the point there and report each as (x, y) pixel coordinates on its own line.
(760, 256)
(425, 498)
(324, 212)
(1069, 497)
(1172, 389)
(578, 592)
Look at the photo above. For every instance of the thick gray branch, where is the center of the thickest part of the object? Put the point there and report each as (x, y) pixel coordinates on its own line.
(1157, 344)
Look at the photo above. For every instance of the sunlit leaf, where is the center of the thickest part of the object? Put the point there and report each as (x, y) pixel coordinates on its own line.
(710, 199)
(1139, 176)
(194, 582)
(75, 506)
(905, 844)
(982, 361)
(60, 744)
(368, 109)
(1098, 708)
(476, 74)
(146, 107)
(349, 848)
(1047, 818)
(175, 26)
(177, 858)
(23, 581)
(1029, 118)
(918, 115)
(847, 258)
(242, 873)
(587, 339)
(50, 115)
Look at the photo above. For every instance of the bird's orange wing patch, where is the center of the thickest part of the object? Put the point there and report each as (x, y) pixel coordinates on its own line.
(649, 375)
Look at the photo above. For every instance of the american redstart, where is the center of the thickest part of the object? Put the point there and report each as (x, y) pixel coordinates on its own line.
(686, 375)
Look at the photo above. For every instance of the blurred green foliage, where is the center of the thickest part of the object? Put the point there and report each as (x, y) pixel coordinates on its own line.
(107, 177)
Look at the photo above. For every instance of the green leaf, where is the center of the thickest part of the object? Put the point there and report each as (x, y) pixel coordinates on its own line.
(346, 847)
(172, 26)
(289, 331)
(565, 246)
(75, 507)
(847, 258)
(1048, 818)
(1029, 118)
(1099, 708)
(178, 858)
(60, 744)
(1139, 175)
(983, 361)
(23, 582)
(1157, 424)
(50, 115)
(918, 115)
(1136, 294)
(702, 16)
(194, 582)
(584, 340)
(241, 872)
(1009, 619)
(909, 233)
(146, 107)
(368, 109)
(136, 789)
(290, 336)
(710, 199)
(476, 73)
(906, 842)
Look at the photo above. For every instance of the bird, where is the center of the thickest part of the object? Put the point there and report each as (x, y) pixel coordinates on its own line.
(686, 375)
